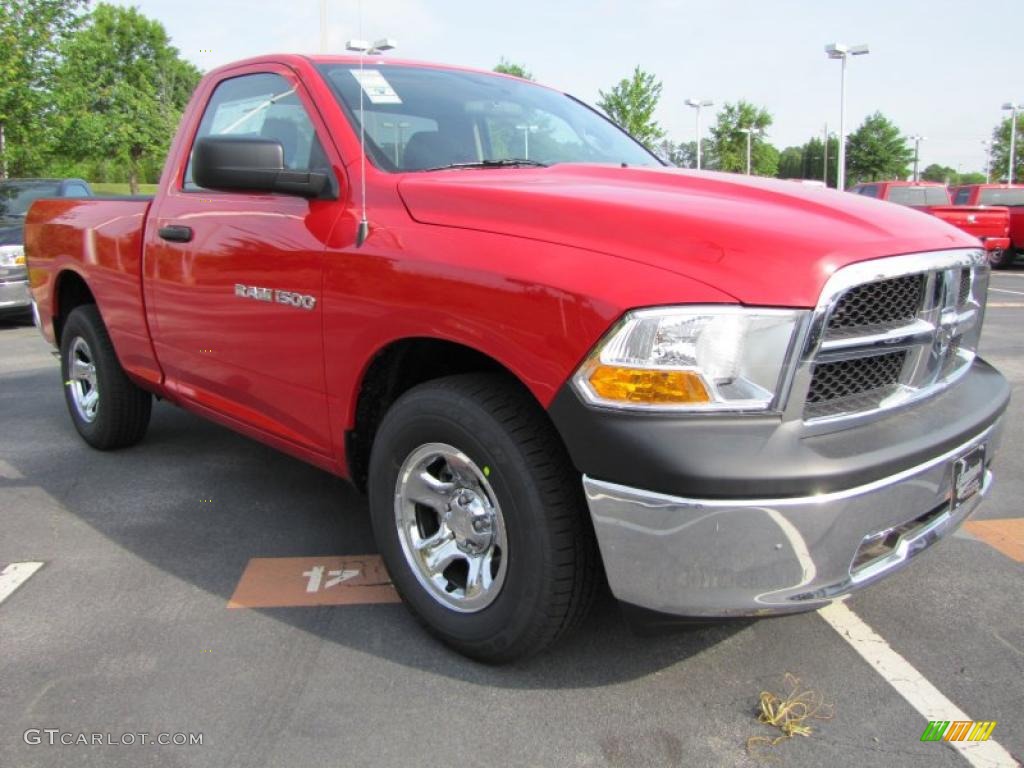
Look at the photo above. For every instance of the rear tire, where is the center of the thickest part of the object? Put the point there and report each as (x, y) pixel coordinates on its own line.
(480, 442)
(107, 408)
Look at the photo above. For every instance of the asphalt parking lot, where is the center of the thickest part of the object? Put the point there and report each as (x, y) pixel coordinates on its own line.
(126, 627)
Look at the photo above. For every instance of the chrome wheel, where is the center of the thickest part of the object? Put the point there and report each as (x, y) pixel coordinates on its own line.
(451, 527)
(85, 393)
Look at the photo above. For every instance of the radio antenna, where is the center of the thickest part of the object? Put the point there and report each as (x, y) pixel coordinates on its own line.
(364, 49)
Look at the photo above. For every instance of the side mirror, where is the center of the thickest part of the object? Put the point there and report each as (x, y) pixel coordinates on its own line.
(256, 164)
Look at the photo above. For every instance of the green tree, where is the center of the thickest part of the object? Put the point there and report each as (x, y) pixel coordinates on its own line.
(791, 163)
(506, 67)
(877, 151)
(729, 142)
(971, 177)
(1001, 150)
(941, 173)
(31, 32)
(121, 88)
(631, 104)
(681, 155)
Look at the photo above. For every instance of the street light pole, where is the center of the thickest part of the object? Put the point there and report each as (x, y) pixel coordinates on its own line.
(824, 172)
(842, 51)
(698, 104)
(988, 160)
(527, 130)
(750, 133)
(323, 26)
(917, 139)
(1013, 107)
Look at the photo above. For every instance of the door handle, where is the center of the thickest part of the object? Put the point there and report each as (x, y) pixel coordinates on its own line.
(176, 234)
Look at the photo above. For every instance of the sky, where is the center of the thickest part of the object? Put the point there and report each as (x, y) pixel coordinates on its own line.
(937, 68)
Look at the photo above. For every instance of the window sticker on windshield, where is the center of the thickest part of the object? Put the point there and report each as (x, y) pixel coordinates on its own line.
(375, 86)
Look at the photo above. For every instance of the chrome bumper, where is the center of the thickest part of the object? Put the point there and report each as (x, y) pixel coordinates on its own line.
(720, 558)
(15, 295)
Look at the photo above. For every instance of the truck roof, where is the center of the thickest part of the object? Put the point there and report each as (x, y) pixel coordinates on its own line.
(348, 58)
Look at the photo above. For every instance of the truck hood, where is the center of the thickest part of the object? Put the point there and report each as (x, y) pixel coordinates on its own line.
(763, 241)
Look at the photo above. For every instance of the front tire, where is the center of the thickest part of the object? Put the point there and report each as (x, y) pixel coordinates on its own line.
(479, 517)
(107, 408)
(1002, 259)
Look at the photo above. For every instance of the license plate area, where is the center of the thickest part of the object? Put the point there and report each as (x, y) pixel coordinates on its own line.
(968, 474)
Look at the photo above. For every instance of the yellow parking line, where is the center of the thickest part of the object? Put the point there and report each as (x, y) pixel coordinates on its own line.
(1005, 535)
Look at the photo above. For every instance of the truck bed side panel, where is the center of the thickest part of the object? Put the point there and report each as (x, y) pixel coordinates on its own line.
(101, 241)
(980, 221)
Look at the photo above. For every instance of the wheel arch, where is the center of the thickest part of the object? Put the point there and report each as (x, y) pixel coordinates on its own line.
(70, 290)
(397, 367)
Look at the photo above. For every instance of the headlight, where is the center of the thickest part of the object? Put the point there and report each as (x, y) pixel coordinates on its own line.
(12, 255)
(704, 358)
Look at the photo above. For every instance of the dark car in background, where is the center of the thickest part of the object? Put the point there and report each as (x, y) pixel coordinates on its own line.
(16, 196)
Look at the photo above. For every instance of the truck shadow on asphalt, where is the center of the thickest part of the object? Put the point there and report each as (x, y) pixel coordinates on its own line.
(147, 500)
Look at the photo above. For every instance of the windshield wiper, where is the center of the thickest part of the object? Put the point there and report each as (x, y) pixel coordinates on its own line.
(507, 162)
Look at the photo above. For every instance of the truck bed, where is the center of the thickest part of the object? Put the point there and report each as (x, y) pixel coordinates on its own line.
(982, 221)
(96, 242)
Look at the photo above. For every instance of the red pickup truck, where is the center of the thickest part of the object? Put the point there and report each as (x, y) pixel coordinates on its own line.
(1009, 195)
(541, 352)
(990, 224)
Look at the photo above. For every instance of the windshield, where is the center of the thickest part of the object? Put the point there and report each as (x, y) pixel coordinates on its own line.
(915, 196)
(419, 119)
(1002, 196)
(16, 197)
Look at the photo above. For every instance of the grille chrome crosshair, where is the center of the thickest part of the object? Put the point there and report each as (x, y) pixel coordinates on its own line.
(892, 331)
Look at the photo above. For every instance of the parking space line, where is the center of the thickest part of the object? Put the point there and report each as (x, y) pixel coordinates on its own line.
(14, 575)
(1005, 305)
(1003, 534)
(928, 700)
(1006, 290)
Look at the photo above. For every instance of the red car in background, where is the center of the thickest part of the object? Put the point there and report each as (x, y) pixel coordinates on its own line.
(989, 224)
(1009, 195)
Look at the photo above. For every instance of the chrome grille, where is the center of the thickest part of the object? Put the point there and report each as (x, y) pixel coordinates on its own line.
(881, 303)
(853, 383)
(965, 287)
(892, 331)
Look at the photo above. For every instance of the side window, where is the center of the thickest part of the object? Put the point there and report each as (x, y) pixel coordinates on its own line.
(869, 190)
(962, 196)
(75, 190)
(262, 106)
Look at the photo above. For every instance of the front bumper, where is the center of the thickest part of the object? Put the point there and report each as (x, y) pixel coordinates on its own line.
(755, 557)
(14, 295)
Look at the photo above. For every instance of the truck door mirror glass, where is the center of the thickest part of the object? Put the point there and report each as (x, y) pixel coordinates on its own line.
(254, 164)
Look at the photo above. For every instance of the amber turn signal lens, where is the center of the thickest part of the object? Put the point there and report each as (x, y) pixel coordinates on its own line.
(637, 385)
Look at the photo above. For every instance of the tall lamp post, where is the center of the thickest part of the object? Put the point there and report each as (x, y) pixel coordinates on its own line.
(842, 51)
(1014, 107)
(988, 160)
(527, 130)
(751, 132)
(323, 26)
(824, 171)
(917, 139)
(698, 104)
